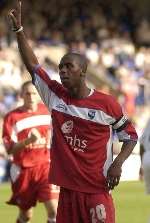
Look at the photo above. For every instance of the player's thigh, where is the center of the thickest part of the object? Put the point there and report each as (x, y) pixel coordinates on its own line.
(19, 178)
(78, 207)
(52, 204)
(47, 191)
(101, 208)
(43, 188)
(23, 194)
(67, 208)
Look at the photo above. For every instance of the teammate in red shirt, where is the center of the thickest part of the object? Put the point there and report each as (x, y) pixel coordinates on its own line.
(26, 135)
(83, 124)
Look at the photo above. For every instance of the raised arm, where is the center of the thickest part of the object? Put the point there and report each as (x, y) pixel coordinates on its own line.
(27, 54)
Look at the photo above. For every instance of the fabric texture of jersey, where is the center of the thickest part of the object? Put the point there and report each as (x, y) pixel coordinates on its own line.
(17, 126)
(82, 139)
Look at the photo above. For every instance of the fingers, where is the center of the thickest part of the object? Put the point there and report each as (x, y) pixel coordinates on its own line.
(18, 6)
(17, 9)
(12, 13)
(33, 137)
(12, 18)
(112, 182)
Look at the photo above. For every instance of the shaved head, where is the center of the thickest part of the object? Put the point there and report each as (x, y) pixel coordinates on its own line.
(79, 58)
(26, 84)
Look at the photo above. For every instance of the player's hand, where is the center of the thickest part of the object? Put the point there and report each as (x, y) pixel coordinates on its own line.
(14, 16)
(33, 138)
(34, 135)
(113, 175)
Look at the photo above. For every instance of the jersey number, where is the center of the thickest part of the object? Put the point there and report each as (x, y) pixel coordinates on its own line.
(98, 213)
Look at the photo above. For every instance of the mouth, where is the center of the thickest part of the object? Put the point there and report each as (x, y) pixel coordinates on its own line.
(64, 79)
(65, 82)
(32, 102)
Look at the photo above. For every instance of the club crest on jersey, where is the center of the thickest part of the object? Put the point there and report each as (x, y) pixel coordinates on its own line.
(91, 114)
(67, 127)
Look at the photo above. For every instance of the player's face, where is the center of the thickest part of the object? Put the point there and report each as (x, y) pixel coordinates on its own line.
(30, 96)
(70, 72)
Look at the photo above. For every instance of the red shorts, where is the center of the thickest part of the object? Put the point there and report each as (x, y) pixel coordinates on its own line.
(30, 185)
(78, 207)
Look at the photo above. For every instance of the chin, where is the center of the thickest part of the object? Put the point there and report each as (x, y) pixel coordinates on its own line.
(66, 85)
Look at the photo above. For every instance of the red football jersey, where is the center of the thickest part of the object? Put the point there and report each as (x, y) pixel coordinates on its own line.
(81, 150)
(17, 126)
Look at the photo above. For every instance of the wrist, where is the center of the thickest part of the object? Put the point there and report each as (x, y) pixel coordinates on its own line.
(17, 30)
(118, 162)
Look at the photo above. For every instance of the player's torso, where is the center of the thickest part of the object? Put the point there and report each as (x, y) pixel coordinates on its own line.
(23, 124)
(84, 135)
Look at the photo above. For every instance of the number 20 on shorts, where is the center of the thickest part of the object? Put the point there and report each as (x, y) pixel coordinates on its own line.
(98, 214)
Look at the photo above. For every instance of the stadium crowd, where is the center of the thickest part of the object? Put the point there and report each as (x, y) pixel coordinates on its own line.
(114, 38)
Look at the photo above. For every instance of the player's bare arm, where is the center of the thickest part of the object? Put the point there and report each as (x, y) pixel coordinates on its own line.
(19, 146)
(114, 171)
(26, 52)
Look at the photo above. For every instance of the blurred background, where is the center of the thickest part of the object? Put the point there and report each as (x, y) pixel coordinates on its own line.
(113, 35)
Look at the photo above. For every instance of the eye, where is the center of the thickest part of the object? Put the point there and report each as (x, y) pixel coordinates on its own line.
(69, 65)
(60, 66)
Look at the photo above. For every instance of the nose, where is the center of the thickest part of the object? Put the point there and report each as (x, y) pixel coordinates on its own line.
(31, 96)
(63, 68)
(63, 71)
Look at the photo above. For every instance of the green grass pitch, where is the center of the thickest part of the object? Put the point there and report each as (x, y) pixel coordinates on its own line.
(132, 205)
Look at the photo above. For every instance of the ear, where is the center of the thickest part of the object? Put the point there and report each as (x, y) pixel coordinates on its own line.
(82, 74)
(21, 94)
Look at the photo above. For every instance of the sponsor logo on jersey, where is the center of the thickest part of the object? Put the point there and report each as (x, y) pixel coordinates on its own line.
(76, 143)
(61, 107)
(91, 114)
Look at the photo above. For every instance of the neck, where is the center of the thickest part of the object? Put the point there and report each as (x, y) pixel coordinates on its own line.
(30, 108)
(81, 92)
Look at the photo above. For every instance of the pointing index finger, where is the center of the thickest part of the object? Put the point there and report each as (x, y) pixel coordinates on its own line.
(19, 5)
